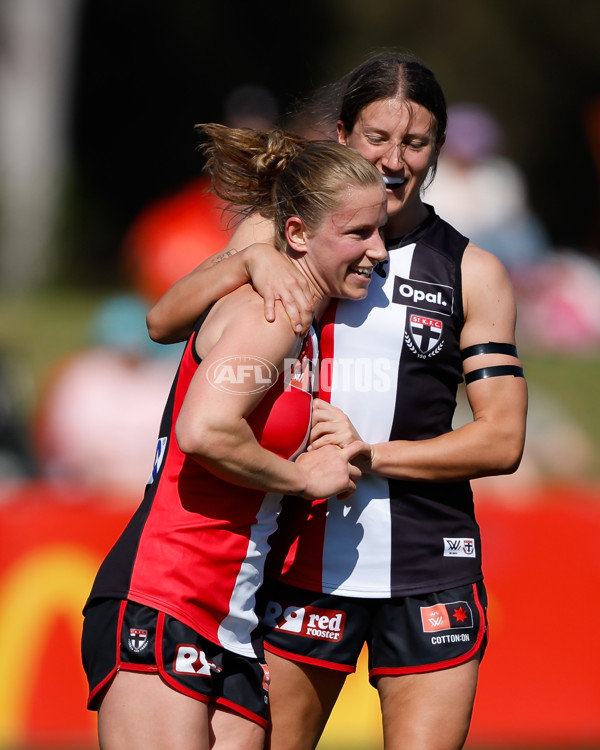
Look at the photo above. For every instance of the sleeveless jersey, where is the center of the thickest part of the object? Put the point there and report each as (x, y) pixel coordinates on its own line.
(392, 363)
(196, 546)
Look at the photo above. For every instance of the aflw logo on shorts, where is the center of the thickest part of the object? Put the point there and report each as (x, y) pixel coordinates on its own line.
(446, 617)
(311, 622)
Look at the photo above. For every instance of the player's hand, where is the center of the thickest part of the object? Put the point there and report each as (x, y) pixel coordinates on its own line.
(331, 470)
(330, 426)
(276, 279)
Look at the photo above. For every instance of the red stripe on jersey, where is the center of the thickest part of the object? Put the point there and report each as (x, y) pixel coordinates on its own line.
(301, 528)
(326, 352)
(197, 535)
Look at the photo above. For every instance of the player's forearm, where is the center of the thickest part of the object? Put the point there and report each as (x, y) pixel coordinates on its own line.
(474, 450)
(173, 317)
(235, 456)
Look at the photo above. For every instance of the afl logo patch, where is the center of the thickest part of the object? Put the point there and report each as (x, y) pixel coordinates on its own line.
(425, 339)
(242, 374)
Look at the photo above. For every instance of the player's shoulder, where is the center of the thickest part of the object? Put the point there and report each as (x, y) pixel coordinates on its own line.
(239, 319)
(243, 311)
(482, 267)
(481, 259)
(486, 282)
(243, 306)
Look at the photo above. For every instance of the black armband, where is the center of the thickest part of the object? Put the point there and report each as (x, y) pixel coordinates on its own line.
(492, 347)
(494, 372)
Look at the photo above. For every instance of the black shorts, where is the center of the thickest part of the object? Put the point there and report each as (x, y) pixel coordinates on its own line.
(129, 636)
(405, 635)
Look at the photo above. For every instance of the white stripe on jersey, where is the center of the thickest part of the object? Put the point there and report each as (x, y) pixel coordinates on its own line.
(235, 628)
(358, 530)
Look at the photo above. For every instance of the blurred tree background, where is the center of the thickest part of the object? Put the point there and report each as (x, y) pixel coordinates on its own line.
(142, 72)
(146, 71)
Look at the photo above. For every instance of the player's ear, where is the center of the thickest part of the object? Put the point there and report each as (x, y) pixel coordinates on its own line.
(342, 133)
(438, 146)
(295, 234)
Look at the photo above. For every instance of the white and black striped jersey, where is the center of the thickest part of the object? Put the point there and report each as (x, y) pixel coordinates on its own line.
(392, 363)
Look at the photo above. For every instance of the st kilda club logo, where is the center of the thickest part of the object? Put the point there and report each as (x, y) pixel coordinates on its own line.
(425, 339)
(430, 303)
(138, 639)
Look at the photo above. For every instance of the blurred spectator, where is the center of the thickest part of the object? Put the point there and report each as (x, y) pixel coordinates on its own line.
(173, 235)
(557, 448)
(17, 460)
(97, 419)
(482, 193)
(559, 303)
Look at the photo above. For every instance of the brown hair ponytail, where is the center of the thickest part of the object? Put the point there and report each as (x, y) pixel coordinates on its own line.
(282, 175)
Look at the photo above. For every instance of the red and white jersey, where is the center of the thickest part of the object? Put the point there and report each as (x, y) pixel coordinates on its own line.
(392, 363)
(196, 546)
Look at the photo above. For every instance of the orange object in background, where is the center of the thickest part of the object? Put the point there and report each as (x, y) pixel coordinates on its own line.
(172, 236)
(539, 679)
(52, 540)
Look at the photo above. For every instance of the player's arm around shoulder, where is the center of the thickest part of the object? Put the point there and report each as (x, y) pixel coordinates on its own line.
(173, 316)
(241, 357)
(212, 426)
(232, 343)
(496, 386)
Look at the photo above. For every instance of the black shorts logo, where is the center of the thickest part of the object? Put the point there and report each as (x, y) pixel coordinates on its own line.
(138, 639)
(311, 622)
(190, 660)
(450, 616)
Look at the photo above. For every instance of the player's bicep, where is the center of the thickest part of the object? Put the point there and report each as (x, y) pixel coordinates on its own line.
(499, 406)
(488, 299)
(498, 395)
(233, 376)
(493, 372)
